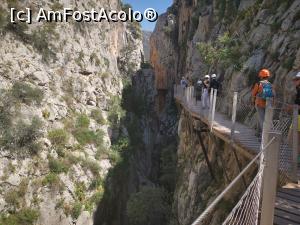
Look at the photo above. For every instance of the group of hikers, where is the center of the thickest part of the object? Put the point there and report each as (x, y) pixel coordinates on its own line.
(203, 88)
(261, 91)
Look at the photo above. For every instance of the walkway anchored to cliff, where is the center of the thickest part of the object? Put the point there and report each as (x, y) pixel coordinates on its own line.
(233, 123)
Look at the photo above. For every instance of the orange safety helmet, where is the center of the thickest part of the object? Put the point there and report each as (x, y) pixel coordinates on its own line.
(264, 73)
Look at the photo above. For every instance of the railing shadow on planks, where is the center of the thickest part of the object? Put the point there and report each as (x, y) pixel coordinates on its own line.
(276, 151)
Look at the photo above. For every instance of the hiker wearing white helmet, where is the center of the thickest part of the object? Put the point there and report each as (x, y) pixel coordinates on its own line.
(205, 92)
(296, 81)
(214, 83)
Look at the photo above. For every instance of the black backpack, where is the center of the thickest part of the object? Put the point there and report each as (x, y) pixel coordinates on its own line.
(214, 84)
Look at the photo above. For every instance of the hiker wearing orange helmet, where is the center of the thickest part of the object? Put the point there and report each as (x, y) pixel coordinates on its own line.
(260, 93)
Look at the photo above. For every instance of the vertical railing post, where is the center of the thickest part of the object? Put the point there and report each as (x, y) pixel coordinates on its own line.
(193, 95)
(185, 95)
(270, 174)
(189, 96)
(233, 115)
(268, 122)
(210, 105)
(213, 108)
(211, 98)
(295, 142)
(175, 90)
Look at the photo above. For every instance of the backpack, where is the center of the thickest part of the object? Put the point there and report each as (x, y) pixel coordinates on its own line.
(214, 84)
(267, 91)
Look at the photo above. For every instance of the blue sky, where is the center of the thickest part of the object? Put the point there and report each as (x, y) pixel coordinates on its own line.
(159, 5)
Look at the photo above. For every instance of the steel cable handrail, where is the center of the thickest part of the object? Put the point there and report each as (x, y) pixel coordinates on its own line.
(226, 190)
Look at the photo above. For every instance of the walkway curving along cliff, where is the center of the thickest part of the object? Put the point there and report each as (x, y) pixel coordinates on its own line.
(233, 123)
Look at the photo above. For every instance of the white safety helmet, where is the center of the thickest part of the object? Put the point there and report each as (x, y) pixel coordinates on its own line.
(207, 77)
(214, 76)
(297, 76)
(199, 82)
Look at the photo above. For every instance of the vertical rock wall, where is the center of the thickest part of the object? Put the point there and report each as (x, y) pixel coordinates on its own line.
(69, 76)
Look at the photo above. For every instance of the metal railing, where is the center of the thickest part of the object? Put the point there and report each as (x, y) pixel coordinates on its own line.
(282, 158)
(245, 113)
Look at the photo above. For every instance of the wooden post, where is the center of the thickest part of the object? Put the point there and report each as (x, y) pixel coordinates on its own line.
(233, 115)
(233, 119)
(270, 174)
(210, 105)
(211, 99)
(185, 94)
(213, 109)
(189, 97)
(295, 142)
(175, 90)
(268, 122)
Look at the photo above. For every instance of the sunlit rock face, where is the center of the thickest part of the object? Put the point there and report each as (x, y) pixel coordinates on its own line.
(66, 73)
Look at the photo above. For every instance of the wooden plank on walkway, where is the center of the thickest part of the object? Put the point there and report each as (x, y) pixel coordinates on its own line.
(287, 202)
(288, 197)
(287, 208)
(287, 215)
(283, 221)
(291, 191)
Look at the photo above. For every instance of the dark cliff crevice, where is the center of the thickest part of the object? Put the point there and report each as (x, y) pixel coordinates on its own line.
(148, 159)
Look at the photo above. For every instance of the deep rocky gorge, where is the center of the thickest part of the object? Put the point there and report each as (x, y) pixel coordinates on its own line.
(92, 135)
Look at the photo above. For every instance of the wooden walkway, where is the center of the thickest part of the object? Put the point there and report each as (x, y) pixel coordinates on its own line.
(244, 138)
(287, 207)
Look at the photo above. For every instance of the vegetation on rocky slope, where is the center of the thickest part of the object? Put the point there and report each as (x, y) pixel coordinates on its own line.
(59, 107)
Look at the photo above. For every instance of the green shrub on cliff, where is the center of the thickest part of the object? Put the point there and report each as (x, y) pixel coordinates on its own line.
(58, 165)
(22, 138)
(27, 94)
(225, 51)
(115, 111)
(58, 137)
(84, 135)
(96, 114)
(148, 207)
(168, 167)
(3, 19)
(40, 38)
(25, 216)
(133, 102)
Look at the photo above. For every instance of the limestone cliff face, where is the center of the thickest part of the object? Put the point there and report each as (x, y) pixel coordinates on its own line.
(61, 82)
